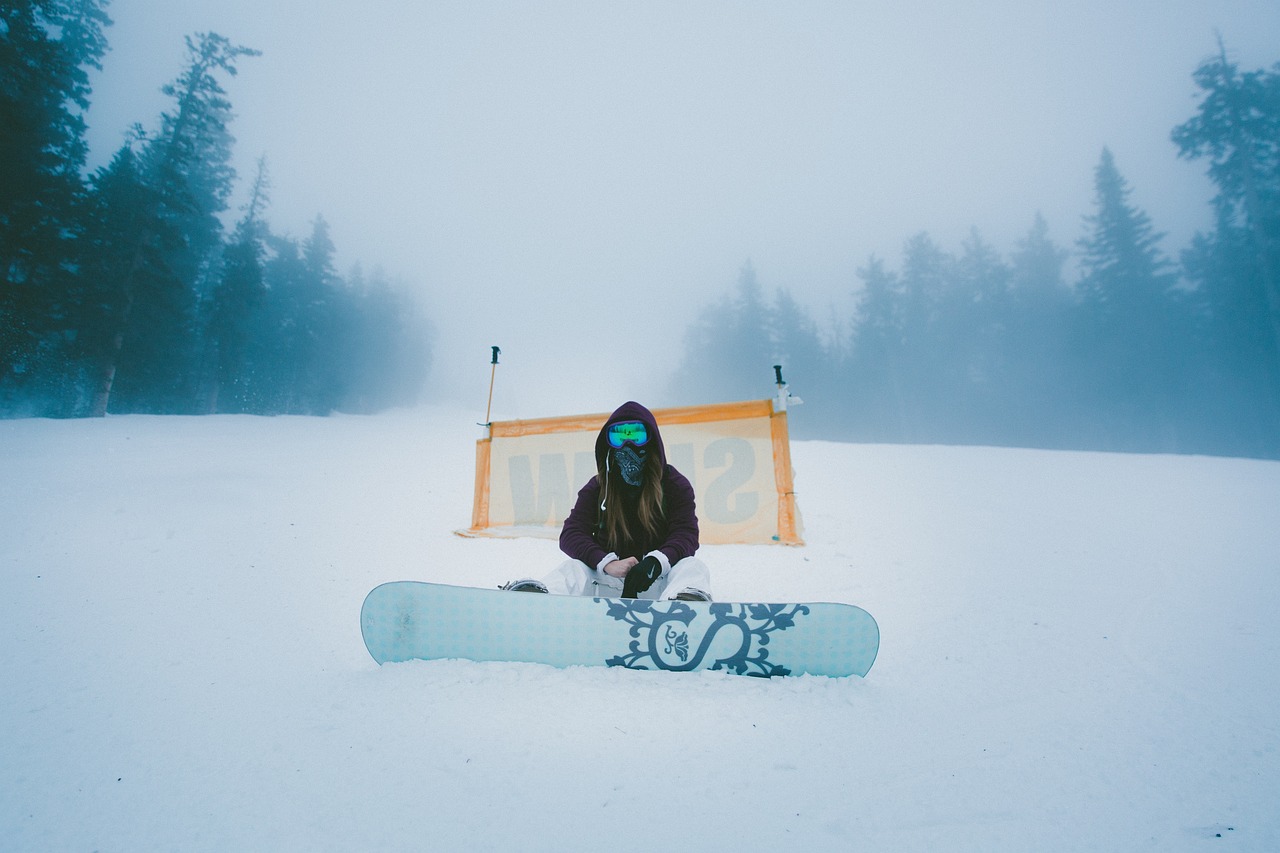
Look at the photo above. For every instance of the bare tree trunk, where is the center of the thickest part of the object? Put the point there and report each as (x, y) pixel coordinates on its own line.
(111, 357)
(107, 366)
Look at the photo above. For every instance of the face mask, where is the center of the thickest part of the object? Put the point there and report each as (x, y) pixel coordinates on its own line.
(630, 464)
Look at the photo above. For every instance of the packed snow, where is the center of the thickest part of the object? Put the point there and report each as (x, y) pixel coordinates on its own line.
(1079, 652)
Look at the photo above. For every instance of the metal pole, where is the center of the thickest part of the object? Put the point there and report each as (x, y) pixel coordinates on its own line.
(492, 373)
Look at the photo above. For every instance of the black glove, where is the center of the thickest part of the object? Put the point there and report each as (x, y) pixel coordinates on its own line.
(641, 576)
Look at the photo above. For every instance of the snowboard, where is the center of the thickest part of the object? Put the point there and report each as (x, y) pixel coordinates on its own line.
(408, 620)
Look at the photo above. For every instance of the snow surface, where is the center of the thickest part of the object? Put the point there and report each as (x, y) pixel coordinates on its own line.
(1079, 653)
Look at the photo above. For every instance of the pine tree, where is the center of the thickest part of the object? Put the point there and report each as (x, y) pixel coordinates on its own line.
(796, 344)
(1124, 272)
(872, 386)
(382, 345)
(1237, 268)
(268, 374)
(46, 51)
(927, 277)
(727, 349)
(151, 364)
(238, 294)
(117, 253)
(1038, 266)
(291, 343)
(1129, 329)
(1238, 130)
(1040, 386)
(320, 352)
(972, 339)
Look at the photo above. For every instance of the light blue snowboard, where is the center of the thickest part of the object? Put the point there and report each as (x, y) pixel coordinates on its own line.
(409, 620)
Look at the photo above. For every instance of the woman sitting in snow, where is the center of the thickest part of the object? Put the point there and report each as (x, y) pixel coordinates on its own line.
(632, 532)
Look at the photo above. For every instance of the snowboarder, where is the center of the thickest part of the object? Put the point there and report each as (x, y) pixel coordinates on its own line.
(632, 532)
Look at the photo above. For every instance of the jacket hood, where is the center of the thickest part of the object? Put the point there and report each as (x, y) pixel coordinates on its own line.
(631, 411)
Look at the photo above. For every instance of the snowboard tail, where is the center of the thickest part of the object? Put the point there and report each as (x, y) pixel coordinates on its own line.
(408, 620)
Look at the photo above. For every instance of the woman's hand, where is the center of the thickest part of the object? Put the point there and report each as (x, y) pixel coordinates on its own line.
(619, 568)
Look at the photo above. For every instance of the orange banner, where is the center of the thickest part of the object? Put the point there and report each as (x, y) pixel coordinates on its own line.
(737, 455)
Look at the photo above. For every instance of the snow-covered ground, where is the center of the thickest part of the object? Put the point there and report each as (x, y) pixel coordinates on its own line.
(1079, 652)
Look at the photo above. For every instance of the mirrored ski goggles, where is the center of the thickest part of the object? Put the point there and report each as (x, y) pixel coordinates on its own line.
(628, 431)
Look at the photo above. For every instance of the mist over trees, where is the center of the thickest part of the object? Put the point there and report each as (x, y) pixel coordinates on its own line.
(1141, 351)
(121, 291)
(135, 288)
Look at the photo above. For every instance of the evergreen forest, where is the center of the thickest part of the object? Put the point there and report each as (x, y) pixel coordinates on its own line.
(1135, 350)
(122, 291)
(133, 288)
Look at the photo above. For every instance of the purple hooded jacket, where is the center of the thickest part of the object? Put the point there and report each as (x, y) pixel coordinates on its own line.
(583, 534)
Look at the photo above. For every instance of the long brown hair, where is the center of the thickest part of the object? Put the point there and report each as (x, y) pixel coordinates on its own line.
(618, 529)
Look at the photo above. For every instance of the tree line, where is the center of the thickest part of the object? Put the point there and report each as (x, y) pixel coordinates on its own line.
(122, 291)
(1137, 351)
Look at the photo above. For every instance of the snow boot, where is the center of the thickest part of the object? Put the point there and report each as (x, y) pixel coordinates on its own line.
(525, 585)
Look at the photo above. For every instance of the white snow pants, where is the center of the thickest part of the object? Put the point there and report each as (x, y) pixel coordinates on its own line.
(574, 577)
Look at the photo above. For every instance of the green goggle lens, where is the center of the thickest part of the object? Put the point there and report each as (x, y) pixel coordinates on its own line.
(629, 431)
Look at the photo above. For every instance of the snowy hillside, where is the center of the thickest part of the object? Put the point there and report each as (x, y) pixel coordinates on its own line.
(1078, 652)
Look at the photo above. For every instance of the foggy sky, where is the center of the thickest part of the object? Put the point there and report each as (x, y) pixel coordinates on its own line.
(573, 181)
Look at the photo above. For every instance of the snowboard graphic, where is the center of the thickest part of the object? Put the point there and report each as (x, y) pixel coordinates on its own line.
(408, 620)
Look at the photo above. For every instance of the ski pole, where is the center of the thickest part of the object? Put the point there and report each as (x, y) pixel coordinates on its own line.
(492, 373)
(784, 397)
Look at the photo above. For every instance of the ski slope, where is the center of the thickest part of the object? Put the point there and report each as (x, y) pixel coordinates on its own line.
(1078, 652)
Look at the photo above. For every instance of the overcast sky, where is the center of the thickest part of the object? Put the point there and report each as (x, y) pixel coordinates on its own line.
(573, 181)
